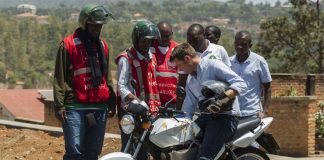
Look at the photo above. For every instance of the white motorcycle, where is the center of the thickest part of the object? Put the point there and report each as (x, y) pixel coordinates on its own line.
(170, 138)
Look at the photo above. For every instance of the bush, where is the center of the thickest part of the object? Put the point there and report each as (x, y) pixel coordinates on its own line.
(319, 119)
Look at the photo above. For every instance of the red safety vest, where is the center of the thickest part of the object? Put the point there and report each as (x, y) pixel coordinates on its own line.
(144, 73)
(82, 80)
(166, 74)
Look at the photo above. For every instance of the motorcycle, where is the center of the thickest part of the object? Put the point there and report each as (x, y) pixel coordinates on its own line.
(164, 136)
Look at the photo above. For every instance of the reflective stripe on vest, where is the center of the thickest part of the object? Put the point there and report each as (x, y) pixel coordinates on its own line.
(82, 80)
(152, 96)
(142, 95)
(82, 71)
(166, 74)
(137, 65)
(140, 79)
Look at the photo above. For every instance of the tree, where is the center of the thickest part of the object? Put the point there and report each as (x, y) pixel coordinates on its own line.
(296, 40)
(2, 72)
(28, 48)
(278, 4)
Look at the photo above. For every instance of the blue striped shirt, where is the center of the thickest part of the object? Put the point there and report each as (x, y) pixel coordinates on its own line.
(211, 69)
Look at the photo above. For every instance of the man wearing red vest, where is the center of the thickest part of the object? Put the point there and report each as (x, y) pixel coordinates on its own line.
(166, 72)
(81, 90)
(137, 64)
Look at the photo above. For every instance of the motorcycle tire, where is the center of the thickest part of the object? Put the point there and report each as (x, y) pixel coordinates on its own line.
(250, 153)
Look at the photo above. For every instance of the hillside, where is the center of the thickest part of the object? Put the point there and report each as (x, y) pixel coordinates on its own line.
(48, 3)
(23, 39)
(73, 3)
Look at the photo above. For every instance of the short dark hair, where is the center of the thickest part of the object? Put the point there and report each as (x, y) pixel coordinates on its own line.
(245, 34)
(215, 30)
(181, 51)
(164, 23)
(196, 28)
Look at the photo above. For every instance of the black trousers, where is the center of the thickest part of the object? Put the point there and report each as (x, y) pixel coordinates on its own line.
(217, 130)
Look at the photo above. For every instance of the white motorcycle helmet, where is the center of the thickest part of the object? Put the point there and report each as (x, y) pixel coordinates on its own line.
(216, 89)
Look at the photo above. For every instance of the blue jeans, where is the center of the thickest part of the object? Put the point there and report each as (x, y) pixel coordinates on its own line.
(82, 141)
(217, 130)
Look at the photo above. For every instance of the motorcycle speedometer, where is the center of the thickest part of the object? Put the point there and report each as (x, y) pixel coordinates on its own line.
(127, 124)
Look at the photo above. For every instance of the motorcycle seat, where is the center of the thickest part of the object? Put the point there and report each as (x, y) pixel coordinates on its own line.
(245, 126)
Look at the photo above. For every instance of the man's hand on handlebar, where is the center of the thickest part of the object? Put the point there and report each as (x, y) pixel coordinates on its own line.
(213, 104)
(130, 97)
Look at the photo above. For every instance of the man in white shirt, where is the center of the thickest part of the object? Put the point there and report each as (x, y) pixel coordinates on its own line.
(205, 49)
(213, 33)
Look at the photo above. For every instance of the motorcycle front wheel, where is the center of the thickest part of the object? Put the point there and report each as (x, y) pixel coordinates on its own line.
(250, 153)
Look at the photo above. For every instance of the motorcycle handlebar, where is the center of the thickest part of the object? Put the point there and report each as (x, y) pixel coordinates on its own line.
(178, 112)
(170, 110)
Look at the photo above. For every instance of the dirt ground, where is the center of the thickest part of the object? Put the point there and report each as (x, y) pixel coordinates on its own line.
(26, 144)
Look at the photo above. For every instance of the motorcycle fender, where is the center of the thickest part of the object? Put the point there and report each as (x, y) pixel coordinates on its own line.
(268, 142)
(117, 156)
(251, 136)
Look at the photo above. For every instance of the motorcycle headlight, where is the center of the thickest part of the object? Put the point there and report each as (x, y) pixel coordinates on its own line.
(127, 124)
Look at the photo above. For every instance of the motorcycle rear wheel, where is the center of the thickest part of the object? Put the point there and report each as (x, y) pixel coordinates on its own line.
(250, 153)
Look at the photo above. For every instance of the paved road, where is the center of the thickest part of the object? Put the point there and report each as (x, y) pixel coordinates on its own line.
(276, 157)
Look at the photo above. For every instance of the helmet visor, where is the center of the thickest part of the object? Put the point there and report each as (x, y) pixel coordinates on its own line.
(151, 32)
(99, 15)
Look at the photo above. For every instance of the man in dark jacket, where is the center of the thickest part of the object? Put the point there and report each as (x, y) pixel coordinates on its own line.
(82, 93)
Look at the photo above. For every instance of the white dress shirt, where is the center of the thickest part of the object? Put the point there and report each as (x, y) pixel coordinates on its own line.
(215, 51)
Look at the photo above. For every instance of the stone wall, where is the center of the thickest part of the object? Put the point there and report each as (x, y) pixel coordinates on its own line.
(293, 126)
(296, 85)
(288, 85)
